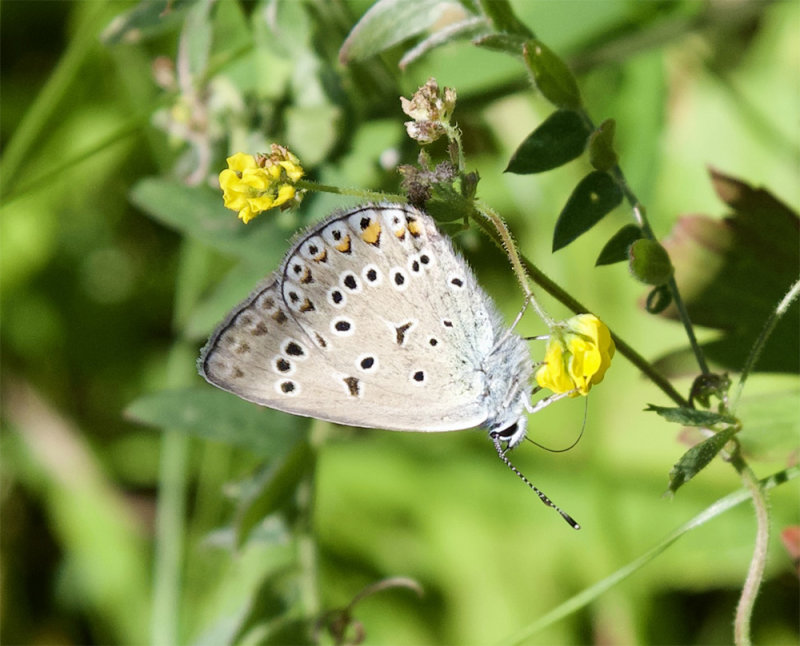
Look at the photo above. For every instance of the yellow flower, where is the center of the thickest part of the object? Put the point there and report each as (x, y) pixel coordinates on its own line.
(578, 354)
(251, 185)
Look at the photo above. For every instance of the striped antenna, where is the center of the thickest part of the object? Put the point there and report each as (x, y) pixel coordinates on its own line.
(496, 437)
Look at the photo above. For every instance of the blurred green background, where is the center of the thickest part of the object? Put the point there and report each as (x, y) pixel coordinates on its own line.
(114, 268)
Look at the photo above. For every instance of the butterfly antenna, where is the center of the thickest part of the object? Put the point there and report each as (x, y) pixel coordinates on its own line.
(502, 454)
(577, 439)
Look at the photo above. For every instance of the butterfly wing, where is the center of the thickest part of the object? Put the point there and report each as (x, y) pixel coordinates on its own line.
(373, 320)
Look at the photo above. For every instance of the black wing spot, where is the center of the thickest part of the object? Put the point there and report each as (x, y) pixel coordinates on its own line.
(353, 385)
(294, 349)
(350, 282)
(401, 332)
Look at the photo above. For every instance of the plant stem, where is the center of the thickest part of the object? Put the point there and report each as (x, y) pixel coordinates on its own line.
(510, 248)
(640, 215)
(755, 573)
(758, 346)
(355, 192)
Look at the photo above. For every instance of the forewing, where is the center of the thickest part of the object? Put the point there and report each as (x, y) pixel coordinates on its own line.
(373, 320)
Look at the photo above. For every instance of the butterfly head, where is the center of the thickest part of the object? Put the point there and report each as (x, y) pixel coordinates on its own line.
(512, 432)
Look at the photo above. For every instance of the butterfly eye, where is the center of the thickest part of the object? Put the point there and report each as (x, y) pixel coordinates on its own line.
(507, 433)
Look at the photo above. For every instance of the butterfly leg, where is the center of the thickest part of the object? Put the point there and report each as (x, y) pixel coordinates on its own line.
(544, 403)
(525, 304)
(517, 319)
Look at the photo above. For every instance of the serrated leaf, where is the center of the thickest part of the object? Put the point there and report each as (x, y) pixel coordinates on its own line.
(277, 486)
(559, 139)
(198, 212)
(691, 416)
(649, 262)
(602, 155)
(697, 458)
(212, 414)
(732, 272)
(616, 249)
(596, 195)
(552, 76)
(389, 22)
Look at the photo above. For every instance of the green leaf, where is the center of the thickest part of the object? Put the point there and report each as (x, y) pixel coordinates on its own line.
(503, 19)
(602, 155)
(596, 195)
(691, 416)
(649, 262)
(144, 21)
(502, 42)
(277, 486)
(198, 212)
(697, 458)
(552, 76)
(446, 204)
(658, 299)
(213, 414)
(616, 249)
(559, 139)
(389, 22)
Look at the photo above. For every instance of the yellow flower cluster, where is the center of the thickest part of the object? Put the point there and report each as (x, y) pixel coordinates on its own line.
(251, 185)
(578, 354)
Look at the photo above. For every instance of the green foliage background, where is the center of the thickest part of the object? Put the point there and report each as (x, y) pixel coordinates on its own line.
(113, 532)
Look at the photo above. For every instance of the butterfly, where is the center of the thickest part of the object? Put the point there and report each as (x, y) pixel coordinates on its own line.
(373, 319)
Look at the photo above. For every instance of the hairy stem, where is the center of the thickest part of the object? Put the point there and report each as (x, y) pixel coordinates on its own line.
(755, 573)
(758, 346)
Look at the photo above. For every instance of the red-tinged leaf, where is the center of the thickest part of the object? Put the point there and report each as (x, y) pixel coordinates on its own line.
(732, 272)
